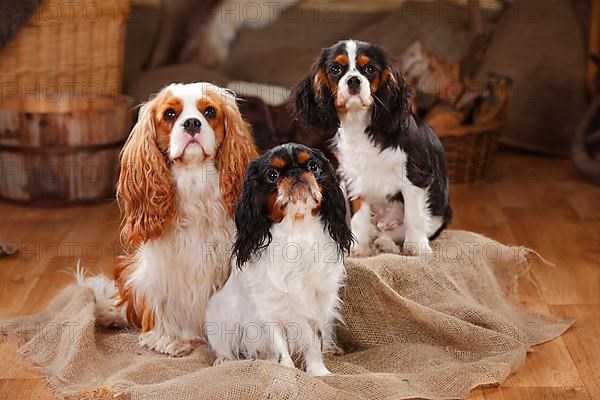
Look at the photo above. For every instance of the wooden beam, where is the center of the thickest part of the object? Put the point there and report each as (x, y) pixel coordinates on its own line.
(594, 48)
(477, 24)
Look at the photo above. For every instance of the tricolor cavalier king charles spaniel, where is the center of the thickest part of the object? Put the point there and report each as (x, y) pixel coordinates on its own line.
(282, 299)
(392, 162)
(181, 171)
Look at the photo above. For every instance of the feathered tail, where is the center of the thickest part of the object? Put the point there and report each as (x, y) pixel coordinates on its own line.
(107, 312)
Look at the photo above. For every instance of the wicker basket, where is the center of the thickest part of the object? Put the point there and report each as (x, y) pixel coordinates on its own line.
(470, 150)
(67, 48)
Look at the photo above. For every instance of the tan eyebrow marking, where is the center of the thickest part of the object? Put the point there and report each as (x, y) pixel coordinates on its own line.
(342, 59)
(363, 60)
(174, 103)
(277, 162)
(302, 157)
(218, 122)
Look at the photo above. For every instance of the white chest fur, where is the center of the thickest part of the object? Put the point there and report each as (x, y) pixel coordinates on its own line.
(375, 174)
(370, 172)
(290, 287)
(178, 272)
(300, 266)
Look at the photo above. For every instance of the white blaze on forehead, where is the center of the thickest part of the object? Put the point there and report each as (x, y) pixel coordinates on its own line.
(343, 94)
(198, 89)
(189, 95)
(351, 51)
(195, 91)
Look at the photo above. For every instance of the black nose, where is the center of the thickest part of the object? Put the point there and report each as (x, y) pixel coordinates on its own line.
(353, 83)
(192, 126)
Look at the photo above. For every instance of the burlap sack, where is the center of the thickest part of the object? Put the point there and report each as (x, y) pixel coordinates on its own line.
(432, 327)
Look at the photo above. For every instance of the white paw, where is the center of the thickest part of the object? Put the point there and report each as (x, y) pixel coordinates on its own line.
(287, 362)
(388, 225)
(384, 244)
(220, 360)
(165, 345)
(416, 247)
(318, 371)
(335, 350)
(361, 250)
(179, 348)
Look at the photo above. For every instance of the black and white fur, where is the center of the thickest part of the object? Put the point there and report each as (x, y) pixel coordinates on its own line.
(282, 299)
(389, 158)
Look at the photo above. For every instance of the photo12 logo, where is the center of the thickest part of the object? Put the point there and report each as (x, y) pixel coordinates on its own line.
(54, 92)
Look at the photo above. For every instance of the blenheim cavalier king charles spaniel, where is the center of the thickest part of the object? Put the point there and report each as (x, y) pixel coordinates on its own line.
(392, 162)
(181, 170)
(282, 299)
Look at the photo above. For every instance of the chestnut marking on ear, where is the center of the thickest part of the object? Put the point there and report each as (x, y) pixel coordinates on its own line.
(235, 153)
(321, 82)
(356, 204)
(276, 210)
(312, 100)
(392, 112)
(145, 191)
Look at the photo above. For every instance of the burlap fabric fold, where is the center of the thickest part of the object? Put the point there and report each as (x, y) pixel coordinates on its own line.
(432, 327)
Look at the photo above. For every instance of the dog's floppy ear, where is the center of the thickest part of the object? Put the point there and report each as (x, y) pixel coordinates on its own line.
(251, 220)
(235, 153)
(313, 102)
(391, 110)
(333, 207)
(145, 191)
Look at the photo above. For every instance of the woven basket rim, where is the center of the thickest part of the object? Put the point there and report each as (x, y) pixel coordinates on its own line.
(465, 130)
(73, 12)
(104, 19)
(76, 104)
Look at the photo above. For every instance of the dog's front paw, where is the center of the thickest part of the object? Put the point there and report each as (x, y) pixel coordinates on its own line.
(220, 360)
(283, 360)
(363, 251)
(384, 244)
(165, 345)
(335, 350)
(180, 348)
(416, 247)
(384, 225)
(318, 371)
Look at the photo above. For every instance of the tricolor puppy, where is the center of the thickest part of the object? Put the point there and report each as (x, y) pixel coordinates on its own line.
(181, 170)
(282, 299)
(391, 161)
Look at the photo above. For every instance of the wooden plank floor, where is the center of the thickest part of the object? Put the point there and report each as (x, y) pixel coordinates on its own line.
(536, 201)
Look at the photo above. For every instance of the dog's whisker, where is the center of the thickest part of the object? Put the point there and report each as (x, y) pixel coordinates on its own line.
(380, 102)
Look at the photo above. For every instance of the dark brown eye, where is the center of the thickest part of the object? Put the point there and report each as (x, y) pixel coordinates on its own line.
(272, 175)
(335, 69)
(370, 69)
(210, 112)
(313, 166)
(169, 114)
